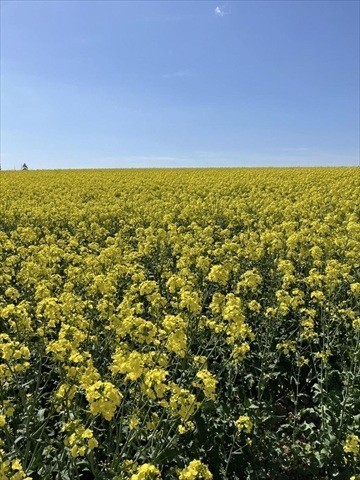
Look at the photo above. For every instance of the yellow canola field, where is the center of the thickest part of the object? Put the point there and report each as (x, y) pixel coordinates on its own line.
(180, 324)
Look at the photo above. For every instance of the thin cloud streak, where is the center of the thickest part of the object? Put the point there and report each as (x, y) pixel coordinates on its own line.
(218, 159)
(220, 12)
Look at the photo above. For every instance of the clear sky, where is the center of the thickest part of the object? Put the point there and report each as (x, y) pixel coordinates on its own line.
(95, 84)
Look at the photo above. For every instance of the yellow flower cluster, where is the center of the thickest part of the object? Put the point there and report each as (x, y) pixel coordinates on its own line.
(207, 383)
(175, 334)
(286, 347)
(146, 472)
(6, 410)
(14, 355)
(196, 470)
(79, 439)
(182, 403)
(352, 445)
(11, 469)
(243, 423)
(103, 398)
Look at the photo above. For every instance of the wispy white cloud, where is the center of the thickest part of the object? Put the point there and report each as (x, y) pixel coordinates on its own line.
(221, 11)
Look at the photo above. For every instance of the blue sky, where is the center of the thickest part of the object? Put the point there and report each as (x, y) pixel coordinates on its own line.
(102, 84)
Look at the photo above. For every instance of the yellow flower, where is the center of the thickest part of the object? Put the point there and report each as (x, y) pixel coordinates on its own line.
(175, 328)
(254, 306)
(134, 422)
(250, 281)
(185, 427)
(287, 347)
(11, 469)
(356, 324)
(146, 472)
(208, 383)
(352, 446)
(301, 360)
(196, 470)
(218, 302)
(318, 296)
(103, 398)
(218, 274)
(323, 356)
(16, 465)
(239, 352)
(79, 439)
(92, 443)
(355, 289)
(153, 423)
(153, 384)
(130, 363)
(243, 423)
(190, 300)
(182, 403)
